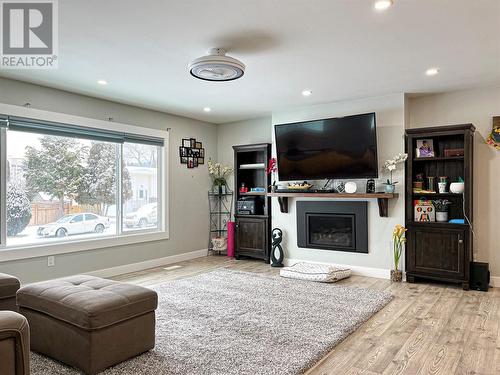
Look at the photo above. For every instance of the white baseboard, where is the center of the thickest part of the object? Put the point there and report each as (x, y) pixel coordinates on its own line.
(380, 273)
(152, 263)
(495, 281)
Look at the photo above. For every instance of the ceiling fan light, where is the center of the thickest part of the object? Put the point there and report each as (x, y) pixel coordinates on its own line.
(216, 67)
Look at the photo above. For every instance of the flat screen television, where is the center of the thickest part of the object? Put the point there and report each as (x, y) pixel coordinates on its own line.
(341, 147)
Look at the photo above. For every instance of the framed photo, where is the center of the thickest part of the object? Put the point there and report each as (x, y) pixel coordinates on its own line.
(201, 160)
(193, 142)
(199, 145)
(195, 162)
(202, 153)
(186, 143)
(424, 211)
(425, 148)
(195, 152)
(190, 162)
(183, 151)
(184, 160)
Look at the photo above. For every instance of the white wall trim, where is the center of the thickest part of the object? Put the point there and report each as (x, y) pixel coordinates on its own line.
(379, 273)
(147, 264)
(495, 281)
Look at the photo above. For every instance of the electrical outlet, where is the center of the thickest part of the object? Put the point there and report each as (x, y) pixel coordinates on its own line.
(51, 261)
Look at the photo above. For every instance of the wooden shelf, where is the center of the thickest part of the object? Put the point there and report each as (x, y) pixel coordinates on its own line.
(382, 198)
(437, 224)
(439, 158)
(438, 195)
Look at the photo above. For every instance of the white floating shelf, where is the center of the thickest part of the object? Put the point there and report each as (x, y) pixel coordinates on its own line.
(253, 166)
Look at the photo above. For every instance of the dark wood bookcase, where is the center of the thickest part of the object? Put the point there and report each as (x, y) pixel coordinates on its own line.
(253, 231)
(440, 251)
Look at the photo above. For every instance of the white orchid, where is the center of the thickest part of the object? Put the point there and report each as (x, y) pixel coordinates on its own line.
(391, 164)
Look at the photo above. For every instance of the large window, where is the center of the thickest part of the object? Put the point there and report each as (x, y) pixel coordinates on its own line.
(69, 183)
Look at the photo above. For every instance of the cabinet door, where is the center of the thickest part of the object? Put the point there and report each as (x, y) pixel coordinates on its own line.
(251, 236)
(437, 252)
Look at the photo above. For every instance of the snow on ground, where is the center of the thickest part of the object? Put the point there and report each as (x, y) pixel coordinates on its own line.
(30, 237)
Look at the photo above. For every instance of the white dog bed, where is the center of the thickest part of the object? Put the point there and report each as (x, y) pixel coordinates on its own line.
(323, 273)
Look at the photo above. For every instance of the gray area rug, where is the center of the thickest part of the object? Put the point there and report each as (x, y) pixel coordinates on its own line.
(232, 322)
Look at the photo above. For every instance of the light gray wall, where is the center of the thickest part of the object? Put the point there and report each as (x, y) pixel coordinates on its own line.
(188, 221)
(476, 106)
(241, 133)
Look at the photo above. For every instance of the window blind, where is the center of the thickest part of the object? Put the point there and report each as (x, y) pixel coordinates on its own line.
(75, 131)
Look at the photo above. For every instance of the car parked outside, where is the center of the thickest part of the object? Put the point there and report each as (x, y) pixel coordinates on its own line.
(74, 224)
(144, 217)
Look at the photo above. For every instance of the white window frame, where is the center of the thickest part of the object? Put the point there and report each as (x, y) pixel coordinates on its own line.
(9, 253)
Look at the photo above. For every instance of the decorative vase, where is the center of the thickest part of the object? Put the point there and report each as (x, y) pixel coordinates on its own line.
(396, 276)
(442, 216)
(390, 188)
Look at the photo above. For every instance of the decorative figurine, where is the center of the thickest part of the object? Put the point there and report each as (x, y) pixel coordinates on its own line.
(277, 236)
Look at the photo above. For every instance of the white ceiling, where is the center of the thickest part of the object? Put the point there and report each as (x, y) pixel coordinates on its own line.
(339, 49)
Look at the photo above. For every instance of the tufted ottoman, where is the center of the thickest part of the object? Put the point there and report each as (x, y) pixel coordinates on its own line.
(88, 322)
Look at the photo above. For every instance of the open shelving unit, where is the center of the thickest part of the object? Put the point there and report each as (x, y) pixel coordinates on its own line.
(440, 250)
(253, 230)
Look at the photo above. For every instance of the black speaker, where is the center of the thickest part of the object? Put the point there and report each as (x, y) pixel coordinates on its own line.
(479, 276)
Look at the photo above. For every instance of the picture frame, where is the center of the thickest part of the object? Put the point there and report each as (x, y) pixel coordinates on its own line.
(424, 211)
(425, 148)
(191, 153)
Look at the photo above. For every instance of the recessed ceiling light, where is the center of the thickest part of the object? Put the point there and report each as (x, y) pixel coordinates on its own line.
(207, 109)
(432, 71)
(307, 92)
(102, 82)
(382, 4)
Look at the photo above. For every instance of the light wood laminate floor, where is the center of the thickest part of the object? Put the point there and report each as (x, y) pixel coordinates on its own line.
(426, 329)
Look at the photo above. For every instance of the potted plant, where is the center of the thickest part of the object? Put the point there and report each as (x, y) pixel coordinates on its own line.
(390, 165)
(218, 173)
(398, 239)
(441, 207)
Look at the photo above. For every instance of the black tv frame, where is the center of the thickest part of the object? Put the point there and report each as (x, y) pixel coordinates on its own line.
(327, 177)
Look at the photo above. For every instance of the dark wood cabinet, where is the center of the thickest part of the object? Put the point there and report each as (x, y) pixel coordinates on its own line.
(252, 237)
(440, 250)
(253, 228)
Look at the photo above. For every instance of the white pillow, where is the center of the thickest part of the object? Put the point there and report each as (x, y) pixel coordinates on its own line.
(316, 272)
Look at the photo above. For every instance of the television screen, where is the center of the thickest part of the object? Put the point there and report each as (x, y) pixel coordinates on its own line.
(343, 147)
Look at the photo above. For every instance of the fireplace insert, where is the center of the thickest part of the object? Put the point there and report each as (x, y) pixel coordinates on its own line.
(340, 226)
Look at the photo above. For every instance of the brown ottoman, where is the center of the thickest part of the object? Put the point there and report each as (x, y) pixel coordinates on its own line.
(8, 288)
(88, 322)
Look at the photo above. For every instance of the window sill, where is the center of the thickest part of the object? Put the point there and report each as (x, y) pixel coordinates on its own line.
(35, 251)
